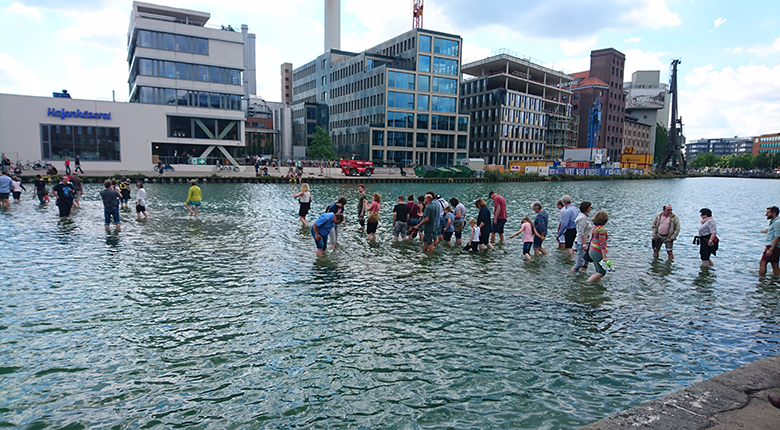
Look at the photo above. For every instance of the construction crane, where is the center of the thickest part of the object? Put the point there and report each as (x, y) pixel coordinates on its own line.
(417, 13)
(674, 145)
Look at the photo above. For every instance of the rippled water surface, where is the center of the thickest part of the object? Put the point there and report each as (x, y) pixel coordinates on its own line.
(231, 322)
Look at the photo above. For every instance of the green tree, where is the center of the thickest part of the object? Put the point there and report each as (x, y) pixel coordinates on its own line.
(704, 160)
(661, 139)
(762, 161)
(321, 147)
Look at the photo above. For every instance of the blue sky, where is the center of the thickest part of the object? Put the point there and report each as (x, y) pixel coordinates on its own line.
(730, 51)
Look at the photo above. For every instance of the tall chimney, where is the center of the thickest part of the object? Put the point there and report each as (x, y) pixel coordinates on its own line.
(332, 24)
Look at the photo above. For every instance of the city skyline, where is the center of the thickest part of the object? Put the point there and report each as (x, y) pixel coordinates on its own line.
(730, 53)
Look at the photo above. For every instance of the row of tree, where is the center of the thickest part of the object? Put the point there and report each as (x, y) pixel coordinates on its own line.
(708, 160)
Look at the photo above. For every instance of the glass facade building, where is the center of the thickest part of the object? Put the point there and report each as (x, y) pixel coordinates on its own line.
(395, 103)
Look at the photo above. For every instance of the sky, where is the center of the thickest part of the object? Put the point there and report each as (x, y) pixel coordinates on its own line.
(729, 78)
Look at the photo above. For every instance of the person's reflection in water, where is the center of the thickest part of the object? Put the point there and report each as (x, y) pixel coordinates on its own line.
(662, 268)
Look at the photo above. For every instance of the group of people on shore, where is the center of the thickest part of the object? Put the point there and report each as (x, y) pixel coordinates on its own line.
(581, 236)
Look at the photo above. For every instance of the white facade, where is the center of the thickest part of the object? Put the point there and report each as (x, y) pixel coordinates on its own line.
(139, 127)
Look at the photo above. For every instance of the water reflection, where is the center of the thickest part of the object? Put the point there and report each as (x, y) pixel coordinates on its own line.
(231, 320)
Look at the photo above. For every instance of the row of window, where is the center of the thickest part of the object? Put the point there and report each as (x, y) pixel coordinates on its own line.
(193, 72)
(203, 128)
(518, 132)
(406, 81)
(168, 96)
(435, 159)
(437, 122)
(769, 139)
(769, 151)
(522, 117)
(360, 85)
(172, 42)
(59, 142)
(421, 140)
(440, 46)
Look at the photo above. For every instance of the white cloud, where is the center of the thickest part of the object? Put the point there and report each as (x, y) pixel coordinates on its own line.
(636, 59)
(633, 40)
(727, 102)
(719, 22)
(381, 21)
(32, 12)
(578, 46)
(95, 81)
(269, 61)
(17, 79)
(98, 29)
(472, 52)
(572, 65)
(737, 50)
(763, 51)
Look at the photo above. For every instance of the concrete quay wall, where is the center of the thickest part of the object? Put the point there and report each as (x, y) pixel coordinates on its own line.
(732, 400)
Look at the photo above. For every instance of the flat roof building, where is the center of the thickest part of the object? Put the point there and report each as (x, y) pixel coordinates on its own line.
(648, 102)
(396, 102)
(520, 110)
(766, 144)
(719, 147)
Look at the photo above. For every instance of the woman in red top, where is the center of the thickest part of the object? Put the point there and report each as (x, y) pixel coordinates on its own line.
(598, 244)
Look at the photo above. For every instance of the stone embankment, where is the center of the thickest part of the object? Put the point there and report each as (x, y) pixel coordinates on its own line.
(733, 400)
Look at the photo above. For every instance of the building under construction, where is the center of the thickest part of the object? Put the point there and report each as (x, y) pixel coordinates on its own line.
(520, 110)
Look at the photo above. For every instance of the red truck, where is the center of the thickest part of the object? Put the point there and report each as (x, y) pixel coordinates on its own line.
(356, 167)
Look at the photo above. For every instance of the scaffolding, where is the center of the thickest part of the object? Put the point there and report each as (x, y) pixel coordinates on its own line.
(562, 131)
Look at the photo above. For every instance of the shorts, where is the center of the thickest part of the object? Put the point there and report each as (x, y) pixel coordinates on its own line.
(399, 229)
(139, 208)
(109, 213)
(304, 210)
(570, 235)
(527, 248)
(371, 227)
(459, 229)
(484, 237)
(4, 196)
(537, 242)
(498, 226)
(773, 257)
(428, 238)
(191, 203)
(65, 206)
(705, 250)
(662, 240)
(322, 243)
(448, 235)
(472, 246)
(17, 194)
(123, 201)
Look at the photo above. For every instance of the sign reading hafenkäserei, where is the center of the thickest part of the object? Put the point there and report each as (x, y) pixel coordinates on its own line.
(78, 113)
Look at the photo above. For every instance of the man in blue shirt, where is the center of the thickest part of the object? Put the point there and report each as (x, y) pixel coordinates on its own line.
(5, 189)
(321, 228)
(540, 225)
(568, 227)
(771, 253)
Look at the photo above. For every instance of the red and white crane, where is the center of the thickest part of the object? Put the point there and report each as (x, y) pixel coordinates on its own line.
(417, 13)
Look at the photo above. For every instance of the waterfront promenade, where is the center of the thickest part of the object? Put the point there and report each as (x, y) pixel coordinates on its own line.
(733, 400)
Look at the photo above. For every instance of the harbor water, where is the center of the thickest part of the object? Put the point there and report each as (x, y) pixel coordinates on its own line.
(230, 321)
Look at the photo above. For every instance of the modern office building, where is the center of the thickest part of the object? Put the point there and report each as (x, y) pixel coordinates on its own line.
(598, 99)
(766, 144)
(514, 103)
(176, 59)
(187, 96)
(394, 103)
(648, 101)
(719, 147)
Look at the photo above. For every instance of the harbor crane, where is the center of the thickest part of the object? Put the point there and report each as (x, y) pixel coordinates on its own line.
(674, 145)
(417, 13)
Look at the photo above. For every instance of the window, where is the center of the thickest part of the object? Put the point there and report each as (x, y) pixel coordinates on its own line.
(425, 43)
(461, 143)
(443, 104)
(400, 100)
(442, 141)
(444, 66)
(378, 138)
(400, 80)
(89, 143)
(422, 140)
(423, 101)
(446, 47)
(424, 63)
(422, 121)
(423, 83)
(445, 85)
(442, 122)
(463, 123)
(399, 138)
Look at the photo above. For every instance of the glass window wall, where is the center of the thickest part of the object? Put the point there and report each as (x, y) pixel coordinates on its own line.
(444, 66)
(89, 143)
(170, 42)
(424, 63)
(445, 85)
(425, 43)
(443, 104)
(400, 80)
(445, 47)
(400, 100)
(424, 83)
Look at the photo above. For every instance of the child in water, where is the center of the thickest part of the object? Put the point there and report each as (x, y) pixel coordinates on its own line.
(527, 229)
(473, 244)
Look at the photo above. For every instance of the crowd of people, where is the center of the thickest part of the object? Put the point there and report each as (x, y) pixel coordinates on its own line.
(435, 220)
